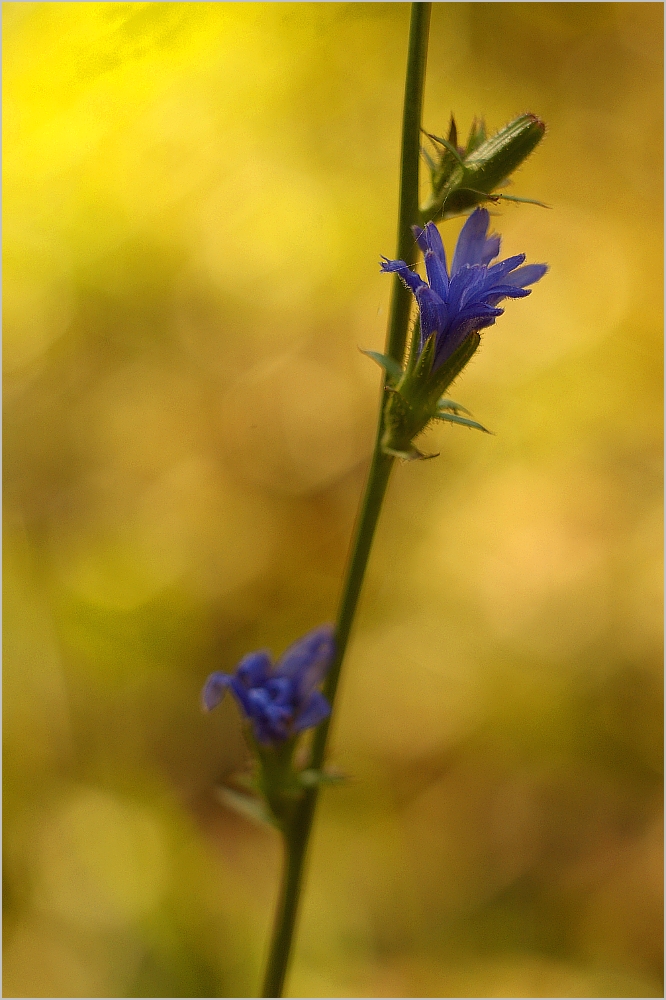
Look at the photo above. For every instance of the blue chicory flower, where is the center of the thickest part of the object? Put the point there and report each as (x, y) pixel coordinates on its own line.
(454, 305)
(279, 699)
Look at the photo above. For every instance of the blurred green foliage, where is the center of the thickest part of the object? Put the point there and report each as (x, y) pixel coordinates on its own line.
(195, 200)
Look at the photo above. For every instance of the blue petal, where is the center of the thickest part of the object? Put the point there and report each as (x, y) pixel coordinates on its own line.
(314, 649)
(527, 275)
(499, 292)
(434, 242)
(472, 240)
(476, 317)
(498, 271)
(410, 278)
(254, 668)
(258, 701)
(241, 693)
(421, 238)
(437, 276)
(276, 721)
(313, 675)
(491, 249)
(278, 715)
(213, 690)
(473, 286)
(430, 239)
(477, 310)
(316, 709)
(466, 281)
(281, 689)
(433, 312)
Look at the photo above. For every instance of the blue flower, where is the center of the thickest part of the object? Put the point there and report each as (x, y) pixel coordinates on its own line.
(279, 699)
(452, 306)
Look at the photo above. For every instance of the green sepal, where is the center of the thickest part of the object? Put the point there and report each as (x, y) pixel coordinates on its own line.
(398, 421)
(276, 780)
(385, 361)
(453, 366)
(452, 418)
(413, 352)
(426, 359)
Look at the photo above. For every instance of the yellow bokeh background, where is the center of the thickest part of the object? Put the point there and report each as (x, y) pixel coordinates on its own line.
(196, 197)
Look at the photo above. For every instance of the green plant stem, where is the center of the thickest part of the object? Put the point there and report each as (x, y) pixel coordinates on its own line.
(297, 836)
(408, 212)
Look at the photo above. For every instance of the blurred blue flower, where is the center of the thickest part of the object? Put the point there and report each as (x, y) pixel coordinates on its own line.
(279, 699)
(453, 306)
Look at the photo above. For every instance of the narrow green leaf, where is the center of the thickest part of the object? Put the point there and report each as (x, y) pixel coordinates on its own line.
(311, 778)
(505, 197)
(249, 806)
(386, 362)
(413, 455)
(453, 419)
(448, 404)
(447, 145)
(245, 780)
(432, 167)
(521, 201)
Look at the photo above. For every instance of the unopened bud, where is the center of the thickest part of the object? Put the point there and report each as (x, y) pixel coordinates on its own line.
(462, 179)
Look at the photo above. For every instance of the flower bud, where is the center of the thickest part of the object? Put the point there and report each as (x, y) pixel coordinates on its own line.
(463, 178)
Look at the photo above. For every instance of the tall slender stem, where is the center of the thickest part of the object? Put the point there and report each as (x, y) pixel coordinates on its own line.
(408, 211)
(297, 836)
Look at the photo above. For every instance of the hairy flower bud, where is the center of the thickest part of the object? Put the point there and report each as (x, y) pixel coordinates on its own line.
(462, 178)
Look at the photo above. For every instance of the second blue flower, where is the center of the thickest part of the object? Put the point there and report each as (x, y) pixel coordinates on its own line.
(281, 699)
